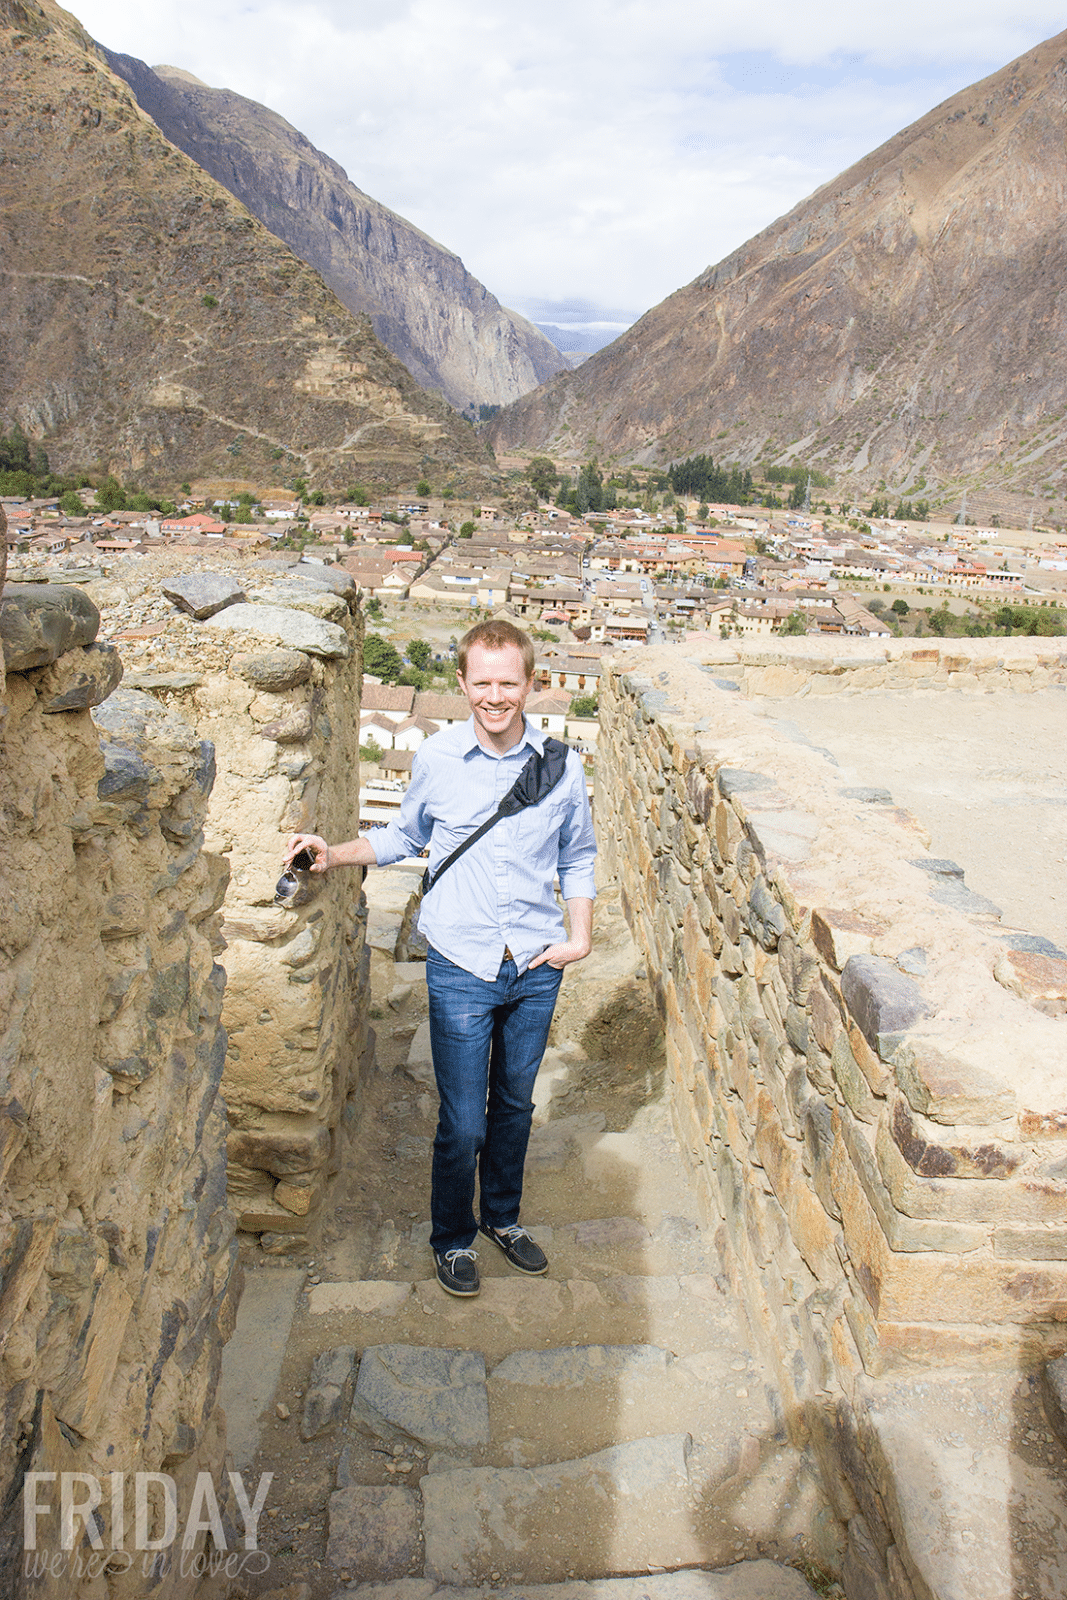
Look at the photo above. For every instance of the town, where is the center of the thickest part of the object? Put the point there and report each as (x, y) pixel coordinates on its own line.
(585, 583)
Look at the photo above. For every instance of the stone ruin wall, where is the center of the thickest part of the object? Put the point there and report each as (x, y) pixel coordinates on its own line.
(118, 1252)
(140, 843)
(870, 1085)
(264, 658)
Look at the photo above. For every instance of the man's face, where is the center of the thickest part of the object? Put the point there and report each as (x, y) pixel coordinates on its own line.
(496, 687)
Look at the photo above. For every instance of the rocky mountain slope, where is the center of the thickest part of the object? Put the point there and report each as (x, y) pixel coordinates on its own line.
(447, 329)
(153, 327)
(906, 322)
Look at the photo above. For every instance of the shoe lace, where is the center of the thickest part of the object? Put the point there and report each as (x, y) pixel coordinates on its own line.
(451, 1256)
(514, 1233)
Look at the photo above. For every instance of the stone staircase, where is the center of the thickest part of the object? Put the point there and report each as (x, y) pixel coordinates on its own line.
(603, 1431)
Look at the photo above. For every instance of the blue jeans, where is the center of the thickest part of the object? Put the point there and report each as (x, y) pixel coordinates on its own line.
(487, 1041)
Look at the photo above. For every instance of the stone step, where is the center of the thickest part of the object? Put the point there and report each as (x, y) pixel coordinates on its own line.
(537, 1406)
(592, 1247)
(555, 1463)
(745, 1580)
(974, 1480)
(685, 1314)
(622, 1509)
(635, 1507)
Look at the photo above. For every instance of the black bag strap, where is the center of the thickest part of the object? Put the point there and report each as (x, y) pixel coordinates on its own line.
(539, 777)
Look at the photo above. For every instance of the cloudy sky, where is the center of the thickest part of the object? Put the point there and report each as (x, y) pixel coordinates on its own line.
(585, 157)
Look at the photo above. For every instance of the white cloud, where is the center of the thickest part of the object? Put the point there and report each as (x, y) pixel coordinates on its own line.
(594, 151)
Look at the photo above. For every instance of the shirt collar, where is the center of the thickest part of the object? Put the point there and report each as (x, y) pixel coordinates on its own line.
(533, 737)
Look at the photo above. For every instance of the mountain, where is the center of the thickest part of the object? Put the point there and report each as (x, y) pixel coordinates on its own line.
(906, 322)
(447, 329)
(155, 328)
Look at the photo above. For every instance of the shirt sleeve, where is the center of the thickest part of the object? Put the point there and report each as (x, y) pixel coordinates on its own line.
(410, 835)
(577, 841)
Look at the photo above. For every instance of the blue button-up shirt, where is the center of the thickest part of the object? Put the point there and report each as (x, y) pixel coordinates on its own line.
(500, 892)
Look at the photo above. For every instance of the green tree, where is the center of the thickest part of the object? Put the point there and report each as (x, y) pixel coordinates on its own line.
(71, 503)
(584, 705)
(419, 653)
(422, 488)
(111, 496)
(358, 496)
(466, 530)
(373, 607)
(794, 624)
(542, 476)
(703, 511)
(381, 658)
(901, 607)
(371, 751)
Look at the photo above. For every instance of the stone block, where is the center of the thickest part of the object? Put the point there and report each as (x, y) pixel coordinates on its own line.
(81, 678)
(825, 1013)
(975, 1520)
(786, 834)
(736, 781)
(993, 1201)
(272, 670)
(329, 1392)
(863, 1570)
(295, 728)
(851, 1081)
(374, 1533)
(884, 1001)
(950, 1089)
(284, 1149)
(808, 1223)
(1039, 1125)
(903, 1232)
(201, 594)
(1041, 979)
(40, 622)
(838, 935)
(912, 1287)
(478, 1520)
(83, 1397)
(436, 1396)
(1030, 1244)
(933, 1154)
(297, 1198)
(293, 630)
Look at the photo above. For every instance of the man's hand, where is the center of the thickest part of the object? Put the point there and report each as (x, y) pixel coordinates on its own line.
(354, 853)
(312, 843)
(561, 955)
(578, 946)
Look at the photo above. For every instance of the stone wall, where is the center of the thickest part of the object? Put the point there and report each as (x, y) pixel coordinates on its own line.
(867, 1068)
(264, 658)
(117, 1248)
(838, 665)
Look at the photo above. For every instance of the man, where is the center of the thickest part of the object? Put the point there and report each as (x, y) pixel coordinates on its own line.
(498, 945)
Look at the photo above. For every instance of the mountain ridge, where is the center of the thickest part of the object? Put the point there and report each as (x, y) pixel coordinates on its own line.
(903, 323)
(451, 333)
(154, 328)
